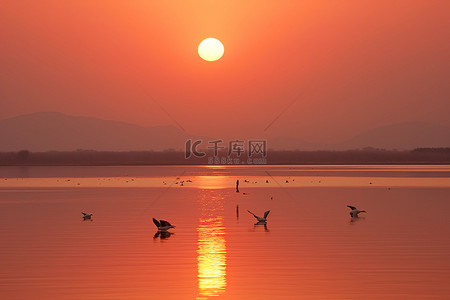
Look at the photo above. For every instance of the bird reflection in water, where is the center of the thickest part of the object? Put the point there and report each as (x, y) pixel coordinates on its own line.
(353, 220)
(163, 235)
(261, 223)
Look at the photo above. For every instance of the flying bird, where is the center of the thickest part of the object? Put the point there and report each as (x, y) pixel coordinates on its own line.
(354, 213)
(264, 219)
(162, 225)
(86, 216)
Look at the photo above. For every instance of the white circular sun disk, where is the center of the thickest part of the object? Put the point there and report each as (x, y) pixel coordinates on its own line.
(211, 49)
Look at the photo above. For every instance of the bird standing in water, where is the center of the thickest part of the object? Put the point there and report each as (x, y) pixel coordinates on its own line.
(86, 216)
(162, 225)
(355, 212)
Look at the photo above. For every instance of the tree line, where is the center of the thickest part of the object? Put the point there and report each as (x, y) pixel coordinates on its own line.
(106, 158)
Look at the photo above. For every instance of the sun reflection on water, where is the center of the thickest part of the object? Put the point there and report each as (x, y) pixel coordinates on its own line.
(211, 252)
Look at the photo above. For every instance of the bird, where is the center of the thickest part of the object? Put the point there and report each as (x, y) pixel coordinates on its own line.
(264, 219)
(86, 216)
(162, 225)
(354, 213)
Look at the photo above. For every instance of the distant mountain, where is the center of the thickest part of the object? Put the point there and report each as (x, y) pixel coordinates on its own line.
(292, 143)
(401, 136)
(46, 131)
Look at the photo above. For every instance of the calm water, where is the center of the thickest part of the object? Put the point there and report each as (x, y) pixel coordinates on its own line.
(310, 248)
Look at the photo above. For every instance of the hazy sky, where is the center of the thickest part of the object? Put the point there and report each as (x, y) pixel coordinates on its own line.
(351, 65)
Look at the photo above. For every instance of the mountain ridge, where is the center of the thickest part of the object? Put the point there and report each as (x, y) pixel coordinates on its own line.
(47, 131)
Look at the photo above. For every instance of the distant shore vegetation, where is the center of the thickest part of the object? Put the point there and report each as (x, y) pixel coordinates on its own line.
(172, 157)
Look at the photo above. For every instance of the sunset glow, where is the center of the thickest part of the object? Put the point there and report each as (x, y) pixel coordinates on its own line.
(140, 159)
(357, 65)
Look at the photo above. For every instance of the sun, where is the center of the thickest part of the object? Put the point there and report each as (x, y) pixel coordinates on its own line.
(210, 49)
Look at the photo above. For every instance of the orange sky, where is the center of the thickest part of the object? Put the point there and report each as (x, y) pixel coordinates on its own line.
(355, 64)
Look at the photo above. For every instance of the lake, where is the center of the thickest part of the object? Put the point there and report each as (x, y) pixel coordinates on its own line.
(310, 247)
